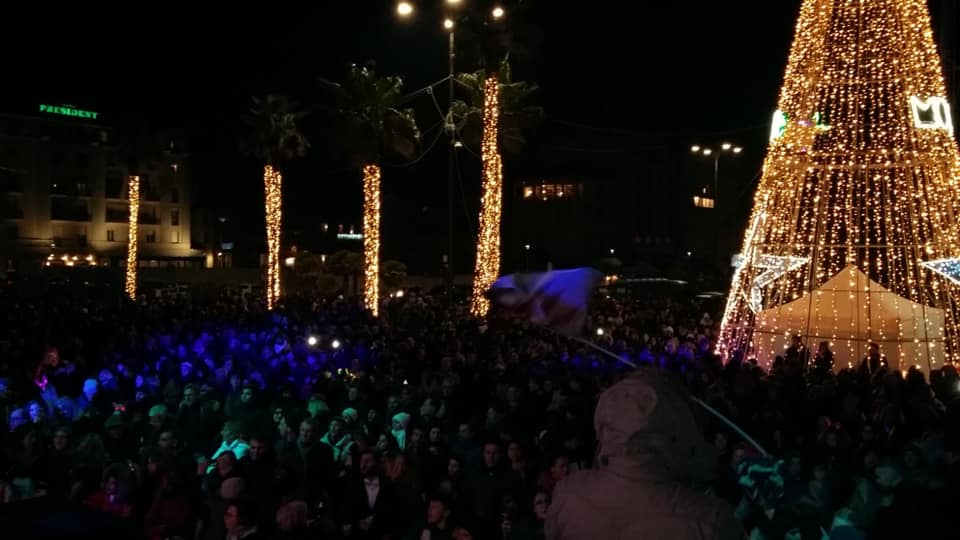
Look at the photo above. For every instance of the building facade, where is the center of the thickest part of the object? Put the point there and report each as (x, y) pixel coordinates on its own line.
(579, 212)
(63, 194)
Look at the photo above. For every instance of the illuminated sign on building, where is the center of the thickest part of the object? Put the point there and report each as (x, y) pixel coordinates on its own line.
(349, 236)
(67, 110)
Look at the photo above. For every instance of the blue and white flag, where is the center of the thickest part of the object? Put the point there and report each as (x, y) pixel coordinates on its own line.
(556, 299)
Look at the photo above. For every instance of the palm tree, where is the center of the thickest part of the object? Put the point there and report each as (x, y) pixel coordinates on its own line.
(346, 265)
(373, 126)
(136, 146)
(517, 116)
(394, 273)
(274, 137)
(496, 110)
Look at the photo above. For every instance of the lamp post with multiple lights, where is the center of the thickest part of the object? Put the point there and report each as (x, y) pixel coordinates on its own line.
(708, 152)
(452, 9)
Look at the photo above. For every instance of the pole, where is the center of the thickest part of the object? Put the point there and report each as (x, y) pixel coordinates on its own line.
(716, 200)
(716, 178)
(451, 56)
(695, 399)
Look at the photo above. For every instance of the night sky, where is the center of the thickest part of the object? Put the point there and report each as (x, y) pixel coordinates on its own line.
(613, 76)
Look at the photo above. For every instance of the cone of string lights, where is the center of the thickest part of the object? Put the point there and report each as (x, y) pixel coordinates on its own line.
(133, 197)
(371, 238)
(853, 238)
(487, 264)
(272, 185)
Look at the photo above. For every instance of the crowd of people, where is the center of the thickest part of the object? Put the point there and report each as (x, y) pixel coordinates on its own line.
(210, 418)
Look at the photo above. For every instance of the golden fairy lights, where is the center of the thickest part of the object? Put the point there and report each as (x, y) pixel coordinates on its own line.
(133, 195)
(371, 238)
(272, 185)
(487, 264)
(865, 202)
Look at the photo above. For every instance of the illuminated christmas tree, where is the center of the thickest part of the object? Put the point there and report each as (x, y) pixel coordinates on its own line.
(854, 236)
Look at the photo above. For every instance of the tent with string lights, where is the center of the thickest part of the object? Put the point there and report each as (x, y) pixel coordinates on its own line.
(861, 184)
(850, 311)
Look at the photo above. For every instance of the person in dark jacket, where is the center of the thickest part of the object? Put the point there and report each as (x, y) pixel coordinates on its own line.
(370, 503)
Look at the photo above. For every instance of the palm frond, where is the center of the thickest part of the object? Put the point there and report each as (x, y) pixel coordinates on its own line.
(517, 117)
(273, 133)
(371, 121)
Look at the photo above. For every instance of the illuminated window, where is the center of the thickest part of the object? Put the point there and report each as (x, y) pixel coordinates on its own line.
(175, 237)
(546, 192)
(703, 202)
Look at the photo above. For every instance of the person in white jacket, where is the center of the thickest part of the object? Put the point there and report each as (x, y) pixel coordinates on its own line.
(232, 441)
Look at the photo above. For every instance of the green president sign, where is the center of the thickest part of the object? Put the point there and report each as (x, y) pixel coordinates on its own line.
(67, 110)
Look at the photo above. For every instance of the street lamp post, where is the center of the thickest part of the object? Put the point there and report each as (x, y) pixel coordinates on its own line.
(451, 161)
(526, 248)
(725, 149)
(405, 9)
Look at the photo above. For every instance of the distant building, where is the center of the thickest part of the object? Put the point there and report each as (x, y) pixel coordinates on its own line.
(213, 234)
(63, 194)
(578, 212)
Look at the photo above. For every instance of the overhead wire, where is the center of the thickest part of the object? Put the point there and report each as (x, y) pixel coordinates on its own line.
(463, 195)
(627, 132)
(426, 89)
(426, 151)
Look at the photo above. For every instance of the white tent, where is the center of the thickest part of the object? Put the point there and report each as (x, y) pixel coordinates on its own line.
(850, 311)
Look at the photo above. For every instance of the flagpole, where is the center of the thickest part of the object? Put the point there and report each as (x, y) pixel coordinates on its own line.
(695, 399)
(530, 289)
(605, 351)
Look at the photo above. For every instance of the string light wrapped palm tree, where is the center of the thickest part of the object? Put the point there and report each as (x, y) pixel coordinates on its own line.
(854, 237)
(497, 113)
(136, 147)
(274, 138)
(373, 126)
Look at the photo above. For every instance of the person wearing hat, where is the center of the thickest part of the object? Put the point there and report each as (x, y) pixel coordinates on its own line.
(651, 458)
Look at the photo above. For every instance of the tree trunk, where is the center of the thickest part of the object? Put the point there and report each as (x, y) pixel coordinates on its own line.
(272, 190)
(487, 264)
(371, 238)
(133, 195)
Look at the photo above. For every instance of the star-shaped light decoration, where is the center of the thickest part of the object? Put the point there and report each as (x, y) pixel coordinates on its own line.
(773, 267)
(948, 268)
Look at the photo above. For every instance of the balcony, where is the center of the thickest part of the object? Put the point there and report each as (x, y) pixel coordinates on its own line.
(10, 210)
(69, 188)
(151, 194)
(117, 214)
(69, 210)
(10, 180)
(148, 219)
(121, 214)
